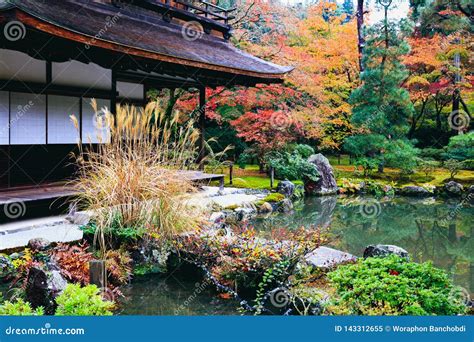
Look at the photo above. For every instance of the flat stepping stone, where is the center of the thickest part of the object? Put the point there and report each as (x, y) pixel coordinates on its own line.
(326, 257)
(54, 229)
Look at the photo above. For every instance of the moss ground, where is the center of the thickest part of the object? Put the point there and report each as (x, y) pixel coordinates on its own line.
(250, 177)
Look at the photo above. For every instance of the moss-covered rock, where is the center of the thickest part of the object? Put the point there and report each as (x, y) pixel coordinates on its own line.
(274, 197)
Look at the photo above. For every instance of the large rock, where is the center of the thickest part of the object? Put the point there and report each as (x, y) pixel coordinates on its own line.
(286, 188)
(453, 188)
(39, 244)
(245, 214)
(326, 185)
(415, 191)
(217, 217)
(326, 258)
(43, 286)
(265, 208)
(384, 250)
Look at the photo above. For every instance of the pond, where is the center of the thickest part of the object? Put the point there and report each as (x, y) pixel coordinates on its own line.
(441, 231)
(429, 229)
(174, 294)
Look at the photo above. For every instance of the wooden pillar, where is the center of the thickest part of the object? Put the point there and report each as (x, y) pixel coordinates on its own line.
(49, 81)
(202, 126)
(113, 99)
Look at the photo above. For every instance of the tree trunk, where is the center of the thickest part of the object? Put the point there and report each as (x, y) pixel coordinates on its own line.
(171, 102)
(416, 119)
(456, 102)
(360, 33)
(380, 168)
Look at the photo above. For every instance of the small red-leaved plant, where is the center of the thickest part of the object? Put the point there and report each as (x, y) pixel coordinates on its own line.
(73, 261)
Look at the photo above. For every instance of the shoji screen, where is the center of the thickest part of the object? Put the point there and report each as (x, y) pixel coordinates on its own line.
(27, 119)
(4, 120)
(61, 130)
(90, 131)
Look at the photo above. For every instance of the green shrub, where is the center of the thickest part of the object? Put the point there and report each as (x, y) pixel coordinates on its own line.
(401, 154)
(118, 235)
(292, 164)
(368, 165)
(246, 158)
(432, 153)
(427, 166)
(469, 164)
(82, 301)
(393, 286)
(460, 147)
(19, 308)
(303, 150)
(453, 166)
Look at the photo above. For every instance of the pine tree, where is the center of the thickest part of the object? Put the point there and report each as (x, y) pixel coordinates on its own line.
(381, 106)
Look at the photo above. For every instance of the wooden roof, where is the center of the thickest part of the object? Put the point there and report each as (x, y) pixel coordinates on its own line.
(142, 34)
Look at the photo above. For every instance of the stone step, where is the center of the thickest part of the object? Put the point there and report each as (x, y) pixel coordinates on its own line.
(54, 229)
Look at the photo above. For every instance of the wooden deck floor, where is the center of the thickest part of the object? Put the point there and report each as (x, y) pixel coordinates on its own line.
(60, 190)
(31, 194)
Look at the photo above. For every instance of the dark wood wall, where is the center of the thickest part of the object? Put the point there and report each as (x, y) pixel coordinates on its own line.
(27, 165)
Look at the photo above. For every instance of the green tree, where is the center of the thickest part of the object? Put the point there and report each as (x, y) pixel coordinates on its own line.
(381, 106)
(444, 16)
(461, 147)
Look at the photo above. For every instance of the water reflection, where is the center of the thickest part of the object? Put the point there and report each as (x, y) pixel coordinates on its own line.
(175, 294)
(430, 229)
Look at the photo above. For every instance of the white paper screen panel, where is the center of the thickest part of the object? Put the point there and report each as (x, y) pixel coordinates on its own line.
(19, 66)
(91, 133)
(90, 76)
(4, 118)
(27, 119)
(131, 91)
(61, 129)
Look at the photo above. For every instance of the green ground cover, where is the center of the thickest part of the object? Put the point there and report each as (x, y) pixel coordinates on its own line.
(251, 178)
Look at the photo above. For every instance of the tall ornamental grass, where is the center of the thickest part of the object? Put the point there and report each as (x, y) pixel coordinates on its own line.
(132, 179)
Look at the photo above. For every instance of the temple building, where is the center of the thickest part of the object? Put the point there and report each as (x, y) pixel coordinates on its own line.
(56, 55)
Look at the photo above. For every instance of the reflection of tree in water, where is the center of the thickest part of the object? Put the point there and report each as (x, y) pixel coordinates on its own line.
(424, 227)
